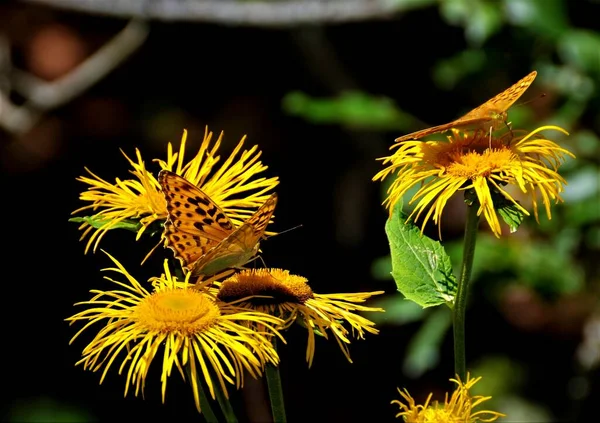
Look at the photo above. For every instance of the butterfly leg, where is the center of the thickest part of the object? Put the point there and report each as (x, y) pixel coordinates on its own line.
(509, 126)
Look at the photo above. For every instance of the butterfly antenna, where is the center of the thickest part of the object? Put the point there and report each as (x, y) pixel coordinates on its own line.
(287, 230)
(531, 100)
(150, 253)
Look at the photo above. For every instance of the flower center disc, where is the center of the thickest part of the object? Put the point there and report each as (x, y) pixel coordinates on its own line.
(182, 310)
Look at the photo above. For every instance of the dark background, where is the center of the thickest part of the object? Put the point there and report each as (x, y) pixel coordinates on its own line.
(233, 78)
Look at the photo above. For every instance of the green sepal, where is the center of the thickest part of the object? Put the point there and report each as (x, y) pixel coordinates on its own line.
(512, 215)
(300, 321)
(420, 266)
(133, 225)
(99, 223)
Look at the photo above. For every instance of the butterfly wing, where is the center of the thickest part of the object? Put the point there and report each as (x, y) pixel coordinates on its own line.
(429, 131)
(195, 223)
(492, 110)
(502, 102)
(239, 247)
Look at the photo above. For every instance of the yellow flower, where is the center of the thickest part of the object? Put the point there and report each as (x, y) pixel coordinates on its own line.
(474, 161)
(231, 186)
(279, 293)
(457, 409)
(212, 340)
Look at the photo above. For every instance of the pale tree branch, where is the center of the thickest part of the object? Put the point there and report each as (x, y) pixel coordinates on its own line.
(268, 13)
(42, 96)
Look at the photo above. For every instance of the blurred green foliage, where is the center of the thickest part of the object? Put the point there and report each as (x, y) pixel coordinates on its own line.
(352, 109)
(45, 409)
(555, 258)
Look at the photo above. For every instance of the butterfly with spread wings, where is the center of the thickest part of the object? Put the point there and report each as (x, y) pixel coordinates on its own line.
(201, 235)
(491, 114)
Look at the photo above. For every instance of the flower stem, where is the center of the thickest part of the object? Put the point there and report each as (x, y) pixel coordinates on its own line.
(460, 305)
(207, 411)
(275, 391)
(226, 407)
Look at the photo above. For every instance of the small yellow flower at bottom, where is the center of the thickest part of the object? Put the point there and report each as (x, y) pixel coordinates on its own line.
(211, 341)
(281, 294)
(457, 409)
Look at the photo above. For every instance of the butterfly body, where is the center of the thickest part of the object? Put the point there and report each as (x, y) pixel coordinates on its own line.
(201, 235)
(230, 253)
(491, 114)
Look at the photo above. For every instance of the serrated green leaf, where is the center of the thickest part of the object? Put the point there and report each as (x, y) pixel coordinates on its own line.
(99, 223)
(420, 266)
(423, 352)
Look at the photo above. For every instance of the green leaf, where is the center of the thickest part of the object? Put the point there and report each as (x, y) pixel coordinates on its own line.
(353, 109)
(542, 17)
(420, 266)
(546, 267)
(480, 19)
(508, 211)
(580, 48)
(99, 223)
(423, 352)
(511, 214)
(449, 72)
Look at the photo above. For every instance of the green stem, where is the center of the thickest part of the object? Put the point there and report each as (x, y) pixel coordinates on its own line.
(460, 305)
(226, 407)
(207, 411)
(275, 391)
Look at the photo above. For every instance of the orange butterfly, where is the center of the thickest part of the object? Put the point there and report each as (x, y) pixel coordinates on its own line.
(201, 235)
(491, 114)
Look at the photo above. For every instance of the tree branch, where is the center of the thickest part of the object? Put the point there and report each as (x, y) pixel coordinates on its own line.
(42, 95)
(269, 13)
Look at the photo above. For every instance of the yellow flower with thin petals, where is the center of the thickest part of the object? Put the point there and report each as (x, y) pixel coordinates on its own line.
(212, 340)
(474, 161)
(288, 296)
(232, 185)
(458, 409)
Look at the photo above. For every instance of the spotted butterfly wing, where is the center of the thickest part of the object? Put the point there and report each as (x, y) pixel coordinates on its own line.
(492, 113)
(201, 235)
(195, 224)
(239, 247)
